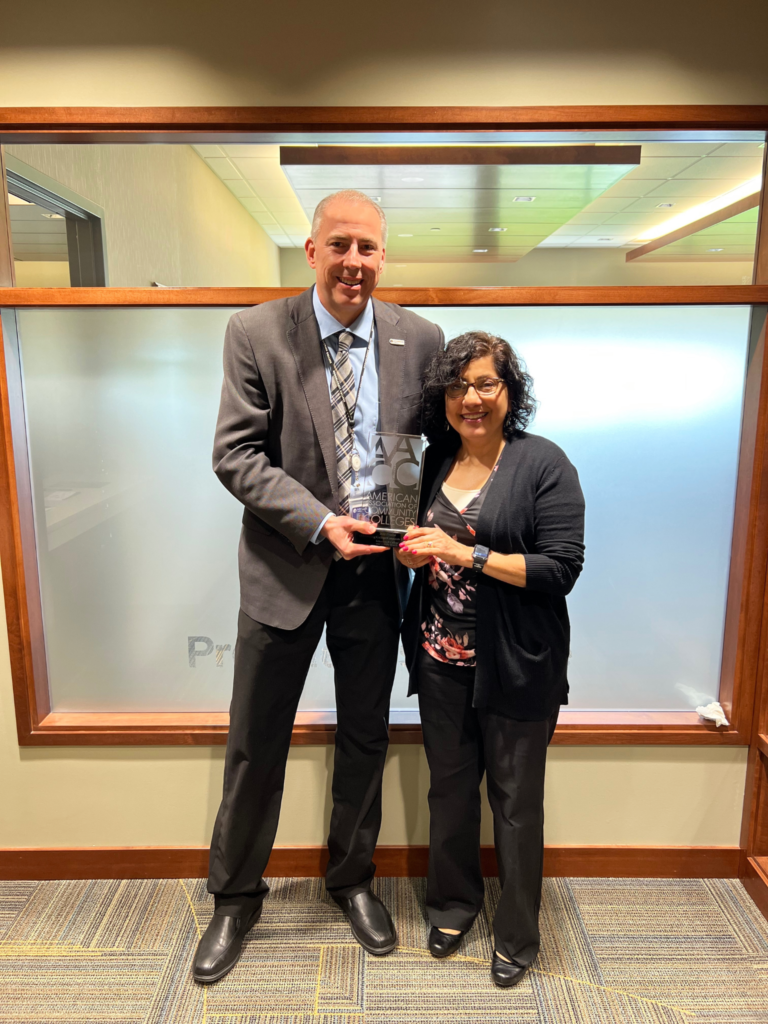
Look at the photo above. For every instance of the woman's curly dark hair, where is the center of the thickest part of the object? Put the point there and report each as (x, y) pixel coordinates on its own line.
(447, 366)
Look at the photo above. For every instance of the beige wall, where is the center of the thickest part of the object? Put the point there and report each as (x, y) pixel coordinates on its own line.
(538, 267)
(169, 795)
(429, 53)
(101, 796)
(167, 217)
(433, 52)
(41, 274)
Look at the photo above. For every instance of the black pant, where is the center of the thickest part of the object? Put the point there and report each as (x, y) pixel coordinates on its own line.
(358, 606)
(462, 743)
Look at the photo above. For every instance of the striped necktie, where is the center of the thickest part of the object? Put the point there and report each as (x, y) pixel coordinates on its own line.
(343, 399)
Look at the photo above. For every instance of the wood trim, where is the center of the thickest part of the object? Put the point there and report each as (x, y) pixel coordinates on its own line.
(21, 585)
(165, 124)
(662, 295)
(37, 727)
(754, 674)
(391, 861)
(641, 861)
(754, 825)
(475, 156)
(754, 878)
(749, 546)
(575, 728)
(741, 206)
(760, 269)
(7, 270)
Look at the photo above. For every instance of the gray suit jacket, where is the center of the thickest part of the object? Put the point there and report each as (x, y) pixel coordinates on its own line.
(275, 449)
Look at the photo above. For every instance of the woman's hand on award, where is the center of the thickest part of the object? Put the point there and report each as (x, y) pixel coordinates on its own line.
(341, 530)
(424, 542)
(410, 560)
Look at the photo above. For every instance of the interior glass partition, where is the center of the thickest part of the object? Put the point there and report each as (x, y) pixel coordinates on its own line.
(465, 209)
(137, 540)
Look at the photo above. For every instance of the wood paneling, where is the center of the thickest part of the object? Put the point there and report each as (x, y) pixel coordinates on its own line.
(662, 295)
(475, 156)
(749, 545)
(391, 861)
(754, 878)
(241, 124)
(741, 206)
(752, 677)
(751, 657)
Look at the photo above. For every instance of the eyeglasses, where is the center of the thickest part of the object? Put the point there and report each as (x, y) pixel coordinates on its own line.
(485, 386)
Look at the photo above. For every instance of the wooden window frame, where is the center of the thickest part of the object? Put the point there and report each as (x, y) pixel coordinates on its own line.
(743, 648)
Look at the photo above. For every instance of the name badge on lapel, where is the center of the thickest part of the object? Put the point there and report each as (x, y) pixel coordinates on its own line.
(396, 341)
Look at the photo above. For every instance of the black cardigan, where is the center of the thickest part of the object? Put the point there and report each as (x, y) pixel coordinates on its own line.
(534, 507)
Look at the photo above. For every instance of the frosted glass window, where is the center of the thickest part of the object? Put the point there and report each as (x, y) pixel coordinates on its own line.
(646, 402)
(137, 540)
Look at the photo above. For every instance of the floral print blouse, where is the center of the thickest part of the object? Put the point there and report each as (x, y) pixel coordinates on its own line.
(450, 590)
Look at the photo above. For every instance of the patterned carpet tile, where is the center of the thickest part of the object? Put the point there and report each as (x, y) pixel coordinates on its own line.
(566, 948)
(95, 988)
(13, 899)
(404, 984)
(614, 951)
(121, 915)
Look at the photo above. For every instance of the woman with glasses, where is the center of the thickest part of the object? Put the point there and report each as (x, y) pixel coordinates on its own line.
(486, 636)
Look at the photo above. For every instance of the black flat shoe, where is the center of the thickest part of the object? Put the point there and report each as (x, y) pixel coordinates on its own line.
(441, 944)
(506, 974)
(219, 949)
(370, 922)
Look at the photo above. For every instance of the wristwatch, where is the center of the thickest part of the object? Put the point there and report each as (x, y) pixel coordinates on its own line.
(480, 557)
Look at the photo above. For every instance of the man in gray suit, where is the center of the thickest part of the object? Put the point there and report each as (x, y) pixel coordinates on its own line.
(306, 382)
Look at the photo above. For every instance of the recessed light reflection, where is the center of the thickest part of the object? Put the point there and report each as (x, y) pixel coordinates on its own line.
(703, 209)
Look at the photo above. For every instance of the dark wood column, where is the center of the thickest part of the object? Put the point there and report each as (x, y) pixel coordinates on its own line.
(754, 833)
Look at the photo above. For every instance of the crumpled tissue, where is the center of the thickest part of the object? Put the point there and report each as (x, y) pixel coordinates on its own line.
(714, 713)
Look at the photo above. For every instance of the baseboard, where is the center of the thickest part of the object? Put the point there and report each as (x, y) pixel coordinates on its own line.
(29, 863)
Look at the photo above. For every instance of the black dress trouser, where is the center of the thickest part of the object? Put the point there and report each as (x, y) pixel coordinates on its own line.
(358, 608)
(462, 743)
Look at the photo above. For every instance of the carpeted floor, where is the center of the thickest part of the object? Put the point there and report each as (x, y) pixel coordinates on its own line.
(613, 950)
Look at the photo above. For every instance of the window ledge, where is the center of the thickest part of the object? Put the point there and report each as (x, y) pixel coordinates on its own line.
(575, 728)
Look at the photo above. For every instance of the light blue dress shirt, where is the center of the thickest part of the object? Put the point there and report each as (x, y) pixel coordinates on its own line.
(367, 410)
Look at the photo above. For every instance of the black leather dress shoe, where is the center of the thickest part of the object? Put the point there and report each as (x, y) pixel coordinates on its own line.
(219, 949)
(506, 974)
(370, 922)
(441, 944)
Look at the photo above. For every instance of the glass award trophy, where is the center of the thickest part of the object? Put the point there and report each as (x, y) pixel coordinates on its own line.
(389, 496)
